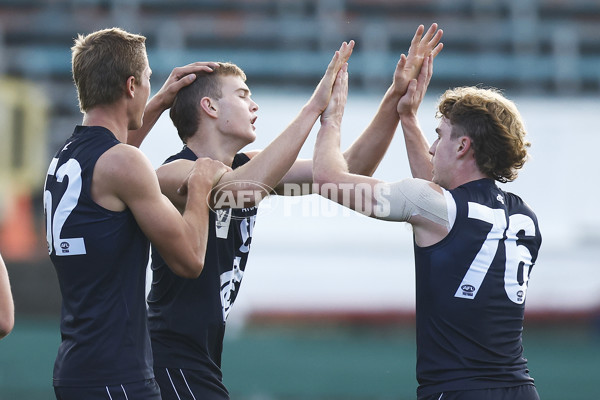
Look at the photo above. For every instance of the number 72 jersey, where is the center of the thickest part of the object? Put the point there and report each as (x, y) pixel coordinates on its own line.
(471, 290)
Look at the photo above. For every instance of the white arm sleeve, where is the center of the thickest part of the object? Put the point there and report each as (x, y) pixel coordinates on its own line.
(401, 200)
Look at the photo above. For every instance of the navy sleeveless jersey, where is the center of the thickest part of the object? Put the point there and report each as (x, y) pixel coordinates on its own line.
(187, 316)
(471, 289)
(100, 257)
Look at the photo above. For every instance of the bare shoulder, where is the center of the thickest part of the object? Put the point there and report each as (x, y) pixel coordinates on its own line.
(177, 168)
(124, 163)
(120, 173)
(171, 176)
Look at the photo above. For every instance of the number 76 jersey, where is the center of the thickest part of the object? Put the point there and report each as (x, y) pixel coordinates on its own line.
(471, 290)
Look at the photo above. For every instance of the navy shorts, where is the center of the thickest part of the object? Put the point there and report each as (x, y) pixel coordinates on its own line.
(523, 392)
(142, 390)
(188, 384)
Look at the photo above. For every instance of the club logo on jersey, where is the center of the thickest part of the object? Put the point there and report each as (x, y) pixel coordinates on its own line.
(231, 280)
(468, 290)
(500, 198)
(64, 246)
(230, 283)
(520, 296)
(222, 221)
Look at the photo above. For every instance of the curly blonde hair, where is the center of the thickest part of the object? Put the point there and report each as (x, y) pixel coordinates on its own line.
(493, 124)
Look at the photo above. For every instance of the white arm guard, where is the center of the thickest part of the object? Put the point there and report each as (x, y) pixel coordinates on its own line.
(399, 201)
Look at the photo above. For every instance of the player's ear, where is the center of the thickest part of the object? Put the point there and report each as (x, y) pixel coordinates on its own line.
(209, 106)
(130, 87)
(464, 145)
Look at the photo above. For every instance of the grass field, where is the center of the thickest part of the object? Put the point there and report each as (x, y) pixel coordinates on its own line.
(322, 361)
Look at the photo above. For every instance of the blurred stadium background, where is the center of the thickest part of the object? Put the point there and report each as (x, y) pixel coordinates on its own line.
(326, 309)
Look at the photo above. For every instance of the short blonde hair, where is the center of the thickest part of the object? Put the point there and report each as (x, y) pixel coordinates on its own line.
(493, 124)
(102, 62)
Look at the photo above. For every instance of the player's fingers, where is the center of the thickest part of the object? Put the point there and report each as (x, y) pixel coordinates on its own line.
(409, 95)
(430, 69)
(436, 50)
(337, 82)
(430, 32)
(343, 54)
(337, 61)
(425, 75)
(182, 190)
(412, 88)
(334, 61)
(417, 37)
(347, 51)
(342, 75)
(425, 67)
(220, 170)
(435, 39)
(210, 64)
(180, 72)
(401, 62)
(345, 80)
(183, 82)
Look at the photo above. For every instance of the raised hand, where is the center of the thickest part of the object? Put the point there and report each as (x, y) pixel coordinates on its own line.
(322, 93)
(328, 160)
(421, 46)
(409, 103)
(335, 109)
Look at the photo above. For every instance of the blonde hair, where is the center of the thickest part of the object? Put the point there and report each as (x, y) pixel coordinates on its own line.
(493, 124)
(102, 62)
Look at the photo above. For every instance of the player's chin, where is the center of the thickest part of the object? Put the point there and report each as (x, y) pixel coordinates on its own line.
(136, 124)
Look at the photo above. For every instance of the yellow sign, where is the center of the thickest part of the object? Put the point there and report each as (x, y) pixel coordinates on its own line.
(23, 130)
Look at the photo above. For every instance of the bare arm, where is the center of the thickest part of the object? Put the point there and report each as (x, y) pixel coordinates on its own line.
(179, 78)
(417, 146)
(267, 167)
(416, 201)
(124, 174)
(7, 306)
(330, 169)
(172, 178)
(270, 165)
(365, 154)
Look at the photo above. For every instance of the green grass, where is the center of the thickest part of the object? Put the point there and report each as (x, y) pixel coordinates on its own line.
(27, 359)
(321, 361)
(564, 361)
